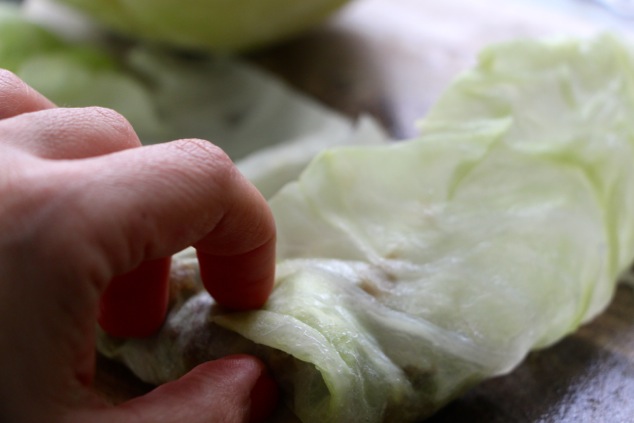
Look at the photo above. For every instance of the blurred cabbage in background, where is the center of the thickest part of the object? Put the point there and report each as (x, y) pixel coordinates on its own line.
(218, 25)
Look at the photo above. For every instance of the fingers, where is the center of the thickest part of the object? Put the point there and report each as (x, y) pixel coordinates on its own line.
(151, 202)
(242, 281)
(69, 133)
(191, 183)
(16, 97)
(32, 123)
(232, 389)
(134, 304)
(236, 272)
(80, 222)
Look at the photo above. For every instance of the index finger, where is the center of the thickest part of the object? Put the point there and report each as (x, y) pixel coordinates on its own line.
(150, 202)
(237, 260)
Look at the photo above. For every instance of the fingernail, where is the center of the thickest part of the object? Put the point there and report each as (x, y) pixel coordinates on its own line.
(264, 398)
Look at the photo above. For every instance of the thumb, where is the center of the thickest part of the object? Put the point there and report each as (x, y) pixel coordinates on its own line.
(217, 391)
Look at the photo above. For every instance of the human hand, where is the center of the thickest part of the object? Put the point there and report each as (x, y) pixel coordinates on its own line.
(82, 202)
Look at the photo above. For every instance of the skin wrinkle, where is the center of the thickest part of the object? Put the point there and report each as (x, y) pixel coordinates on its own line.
(225, 229)
(114, 125)
(184, 187)
(145, 228)
(203, 158)
(75, 212)
(204, 151)
(62, 131)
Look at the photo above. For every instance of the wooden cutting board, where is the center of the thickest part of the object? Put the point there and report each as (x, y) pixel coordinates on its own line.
(392, 59)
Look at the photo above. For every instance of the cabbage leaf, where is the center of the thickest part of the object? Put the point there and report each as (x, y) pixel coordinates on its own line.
(408, 272)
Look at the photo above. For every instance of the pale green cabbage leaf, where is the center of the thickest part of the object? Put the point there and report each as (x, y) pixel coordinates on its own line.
(408, 272)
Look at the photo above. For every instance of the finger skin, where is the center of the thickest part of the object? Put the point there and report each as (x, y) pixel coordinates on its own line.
(89, 132)
(69, 133)
(216, 391)
(76, 215)
(242, 281)
(17, 98)
(145, 203)
(134, 305)
(160, 199)
(265, 398)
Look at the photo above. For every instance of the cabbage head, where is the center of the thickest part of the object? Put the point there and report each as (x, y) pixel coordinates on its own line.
(219, 25)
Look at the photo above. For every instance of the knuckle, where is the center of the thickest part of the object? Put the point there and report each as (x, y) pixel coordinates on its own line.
(204, 154)
(114, 123)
